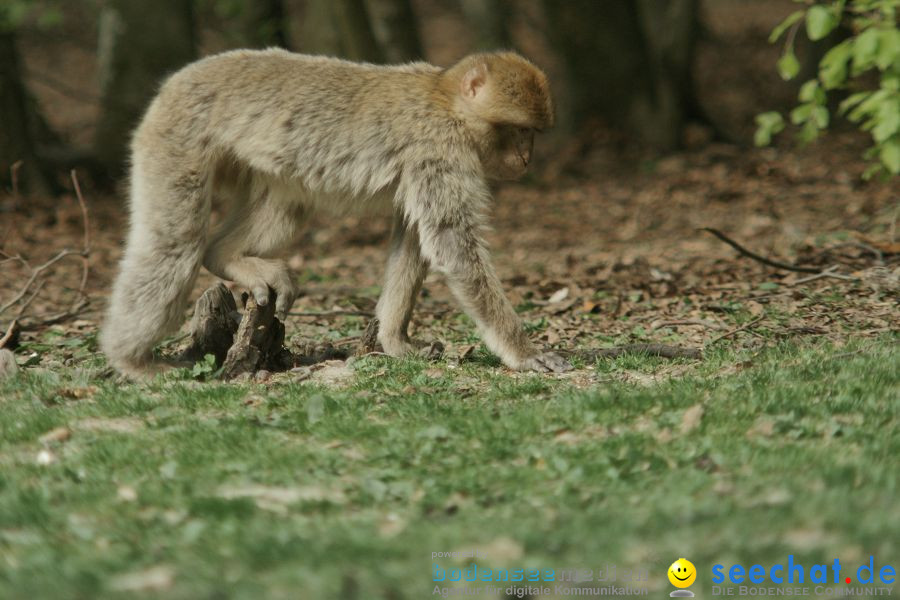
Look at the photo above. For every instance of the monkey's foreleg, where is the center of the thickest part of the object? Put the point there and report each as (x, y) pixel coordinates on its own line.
(406, 269)
(462, 255)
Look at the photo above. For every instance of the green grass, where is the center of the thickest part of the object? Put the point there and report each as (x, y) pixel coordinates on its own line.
(795, 453)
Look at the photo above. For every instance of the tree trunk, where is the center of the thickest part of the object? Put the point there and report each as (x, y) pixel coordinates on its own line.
(340, 28)
(18, 135)
(490, 20)
(263, 24)
(395, 27)
(628, 64)
(140, 43)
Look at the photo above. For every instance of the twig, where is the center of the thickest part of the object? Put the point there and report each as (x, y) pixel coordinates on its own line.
(86, 246)
(10, 333)
(36, 272)
(829, 272)
(661, 350)
(878, 254)
(37, 290)
(58, 317)
(731, 332)
(757, 257)
(34, 275)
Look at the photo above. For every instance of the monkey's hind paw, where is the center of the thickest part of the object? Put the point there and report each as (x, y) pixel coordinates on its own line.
(546, 362)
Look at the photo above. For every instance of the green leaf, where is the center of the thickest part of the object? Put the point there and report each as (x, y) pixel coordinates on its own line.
(864, 48)
(888, 120)
(801, 114)
(784, 25)
(808, 91)
(869, 105)
(889, 153)
(768, 124)
(788, 65)
(820, 117)
(891, 81)
(852, 101)
(888, 48)
(820, 20)
(833, 67)
(771, 120)
(762, 137)
(808, 132)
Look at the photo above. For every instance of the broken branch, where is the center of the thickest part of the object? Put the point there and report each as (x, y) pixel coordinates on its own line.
(757, 257)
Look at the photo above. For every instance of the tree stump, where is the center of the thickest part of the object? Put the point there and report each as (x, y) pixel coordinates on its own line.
(241, 344)
(258, 343)
(213, 325)
(369, 340)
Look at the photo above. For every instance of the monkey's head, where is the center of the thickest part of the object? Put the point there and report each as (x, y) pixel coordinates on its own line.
(503, 99)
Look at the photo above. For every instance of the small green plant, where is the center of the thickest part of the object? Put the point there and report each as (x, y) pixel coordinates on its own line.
(867, 64)
(206, 369)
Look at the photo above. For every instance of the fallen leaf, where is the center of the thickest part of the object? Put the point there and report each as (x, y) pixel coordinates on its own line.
(558, 296)
(59, 434)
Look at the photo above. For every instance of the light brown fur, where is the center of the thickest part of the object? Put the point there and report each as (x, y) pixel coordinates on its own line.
(276, 135)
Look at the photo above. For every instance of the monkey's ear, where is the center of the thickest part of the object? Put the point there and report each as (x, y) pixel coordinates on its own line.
(473, 81)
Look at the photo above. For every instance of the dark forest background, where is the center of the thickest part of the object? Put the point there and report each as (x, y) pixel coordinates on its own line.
(646, 76)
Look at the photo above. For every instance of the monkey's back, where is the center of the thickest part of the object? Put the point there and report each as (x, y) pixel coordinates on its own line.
(331, 124)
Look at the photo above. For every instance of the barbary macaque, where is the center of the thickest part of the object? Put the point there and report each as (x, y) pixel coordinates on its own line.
(274, 136)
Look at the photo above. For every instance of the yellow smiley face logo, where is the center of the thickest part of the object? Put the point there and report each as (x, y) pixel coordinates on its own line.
(682, 573)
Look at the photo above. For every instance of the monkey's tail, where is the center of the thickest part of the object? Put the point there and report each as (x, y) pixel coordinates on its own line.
(169, 222)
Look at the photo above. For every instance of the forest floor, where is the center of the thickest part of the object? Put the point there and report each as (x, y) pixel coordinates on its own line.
(342, 479)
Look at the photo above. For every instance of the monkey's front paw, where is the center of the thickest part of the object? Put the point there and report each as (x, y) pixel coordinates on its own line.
(546, 362)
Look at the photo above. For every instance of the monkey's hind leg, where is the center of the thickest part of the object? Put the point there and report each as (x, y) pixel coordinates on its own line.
(250, 232)
(169, 221)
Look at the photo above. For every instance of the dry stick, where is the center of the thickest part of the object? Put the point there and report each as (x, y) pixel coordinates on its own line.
(9, 333)
(86, 246)
(829, 272)
(37, 271)
(878, 254)
(37, 290)
(736, 330)
(58, 317)
(757, 257)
